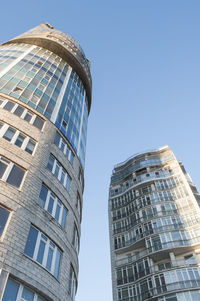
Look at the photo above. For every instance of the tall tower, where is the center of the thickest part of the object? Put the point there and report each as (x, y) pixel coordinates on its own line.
(154, 221)
(45, 98)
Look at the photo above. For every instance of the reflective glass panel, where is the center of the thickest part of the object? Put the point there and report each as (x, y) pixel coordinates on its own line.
(15, 177)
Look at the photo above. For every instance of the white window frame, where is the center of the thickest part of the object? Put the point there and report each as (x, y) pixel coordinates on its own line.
(34, 116)
(9, 167)
(61, 169)
(46, 251)
(4, 129)
(56, 202)
(66, 151)
(20, 291)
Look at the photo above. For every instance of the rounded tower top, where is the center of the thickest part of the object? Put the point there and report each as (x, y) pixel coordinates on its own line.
(62, 44)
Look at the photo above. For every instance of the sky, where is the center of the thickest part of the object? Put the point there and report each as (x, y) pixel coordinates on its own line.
(145, 65)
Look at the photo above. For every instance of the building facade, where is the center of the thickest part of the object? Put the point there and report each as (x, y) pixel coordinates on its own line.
(45, 99)
(154, 221)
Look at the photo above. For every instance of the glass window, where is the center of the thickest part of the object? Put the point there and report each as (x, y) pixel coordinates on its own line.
(53, 205)
(15, 177)
(63, 220)
(75, 240)
(15, 291)
(4, 214)
(9, 105)
(31, 242)
(72, 283)
(19, 110)
(50, 163)
(28, 116)
(57, 169)
(62, 144)
(42, 246)
(43, 196)
(20, 140)
(11, 291)
(68, 181)
(57, 139)
(38, 123)
(30, 146)
(3, 166)
(9, 134)
(42, 249)
(50, 205)
(57, 263)
(27, 294)
(190, 259)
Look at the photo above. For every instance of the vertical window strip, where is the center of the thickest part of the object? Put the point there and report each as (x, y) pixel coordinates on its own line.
(52, 205)
(58, 170)
(75, 240)
(4, 215)
(72, 283)
(60, 142)
(42, 250)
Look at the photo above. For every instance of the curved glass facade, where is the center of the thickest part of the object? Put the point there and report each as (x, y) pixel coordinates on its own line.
(49, 84)
(154, 228)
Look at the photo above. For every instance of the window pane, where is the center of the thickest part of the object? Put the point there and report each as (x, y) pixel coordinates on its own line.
(50, 206)
(38, 123)
(20, 140)
(57, 139)
(3, 167)
(62, 177)
(62, 147)
(3, 218)
(71, 158)
(49, 259)
(41, 252)
(31, 241)
(19, 110)
(15, 177)
(9, 105)
(57, 169)
(50, 163)
(28, 116)
(27, 294)
(64, 214)
(9, 134)
(43, 196)
(57, 212)
(30, 147)
(68, 180)
(11, 290)
(57, 263)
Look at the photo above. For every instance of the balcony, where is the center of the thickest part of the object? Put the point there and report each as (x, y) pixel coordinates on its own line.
(158, 247)
(150, 294)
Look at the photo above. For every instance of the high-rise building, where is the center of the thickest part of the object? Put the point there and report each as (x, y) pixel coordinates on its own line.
(154, 221)
(45, 98)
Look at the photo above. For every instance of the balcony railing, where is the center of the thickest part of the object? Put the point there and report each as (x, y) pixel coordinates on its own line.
(162, 290)
(158, 247)
(143, 179)
(160, 267)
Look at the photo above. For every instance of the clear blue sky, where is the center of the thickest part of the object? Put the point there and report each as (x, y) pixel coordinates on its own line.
(145, 58)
